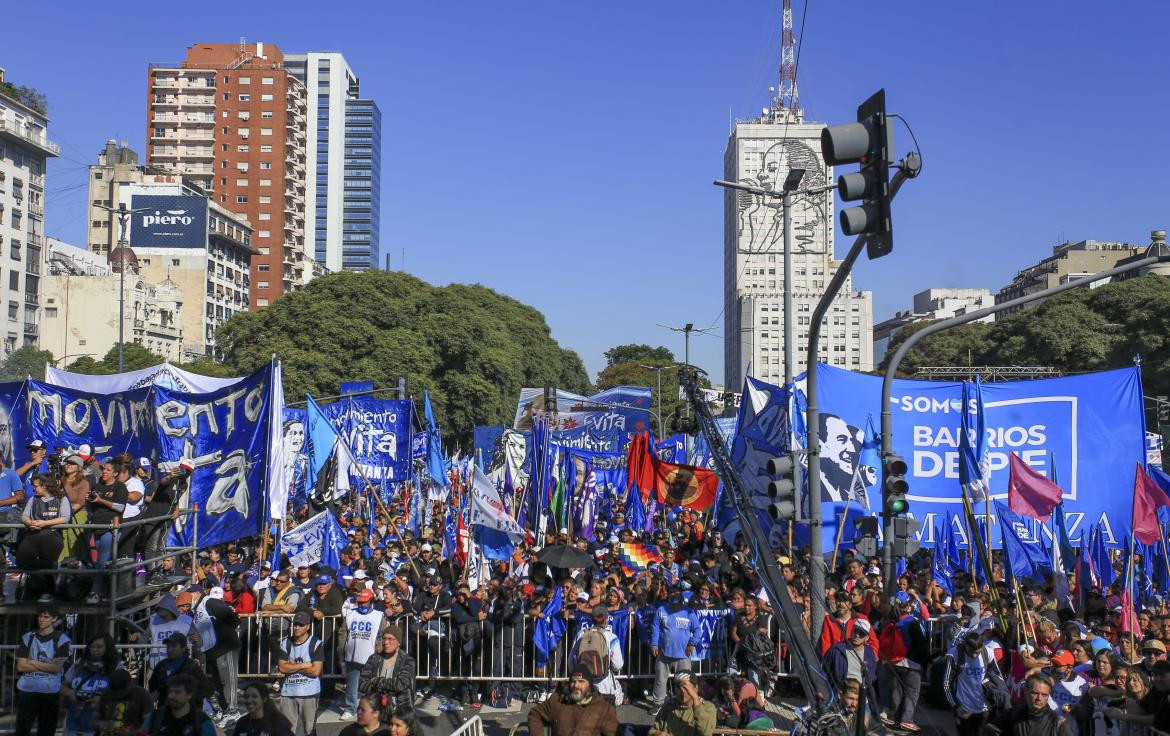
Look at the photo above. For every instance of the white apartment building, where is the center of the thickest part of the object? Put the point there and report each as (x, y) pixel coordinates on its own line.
(81, 308)
(930, 305)
(24, 150)
(761, 152)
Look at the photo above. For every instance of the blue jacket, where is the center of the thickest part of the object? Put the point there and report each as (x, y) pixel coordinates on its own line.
(673, 631)
(837, 663)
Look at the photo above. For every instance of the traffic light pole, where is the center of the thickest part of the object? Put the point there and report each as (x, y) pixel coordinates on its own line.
(812, 427)
(932, 329)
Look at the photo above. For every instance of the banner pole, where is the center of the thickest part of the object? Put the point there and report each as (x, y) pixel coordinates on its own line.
(1128, 615)
(840, 529)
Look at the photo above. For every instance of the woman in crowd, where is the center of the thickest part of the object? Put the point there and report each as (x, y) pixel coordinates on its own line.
(367, 720)
(85, 681)
(261, 718)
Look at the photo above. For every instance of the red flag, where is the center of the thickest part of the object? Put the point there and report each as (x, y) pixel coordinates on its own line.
(1029, 492)
(673, 484)
(1147, 497)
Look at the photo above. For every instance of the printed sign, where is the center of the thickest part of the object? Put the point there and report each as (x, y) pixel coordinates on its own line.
(168, 221)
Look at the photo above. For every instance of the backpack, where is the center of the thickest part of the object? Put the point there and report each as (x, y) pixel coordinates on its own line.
(758, 650)
(593, 655)
(891, 644)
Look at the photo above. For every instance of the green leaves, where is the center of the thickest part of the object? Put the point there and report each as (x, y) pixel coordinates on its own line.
(473, 348)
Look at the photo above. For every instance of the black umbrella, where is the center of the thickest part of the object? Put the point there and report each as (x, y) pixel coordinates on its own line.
(564, 556)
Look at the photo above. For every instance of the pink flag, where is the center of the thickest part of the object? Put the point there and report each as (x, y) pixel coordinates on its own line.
(1129, 619)
(1029, 492)
(1147, 497)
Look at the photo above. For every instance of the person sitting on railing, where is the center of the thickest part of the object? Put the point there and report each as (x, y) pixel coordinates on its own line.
(106, 504)
(41, 547)
(388, 674)
(280, 597)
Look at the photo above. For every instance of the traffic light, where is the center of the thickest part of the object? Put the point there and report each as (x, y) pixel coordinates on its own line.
(550, 399)
(870, 142)
(785, 489)
(865, 538)
(894, 485)
(905, 536)
(402, 388)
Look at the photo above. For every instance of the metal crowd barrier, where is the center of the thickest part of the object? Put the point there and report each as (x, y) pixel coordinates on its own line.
(504, 654)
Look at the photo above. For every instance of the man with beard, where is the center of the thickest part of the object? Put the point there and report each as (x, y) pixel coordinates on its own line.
(580, 711)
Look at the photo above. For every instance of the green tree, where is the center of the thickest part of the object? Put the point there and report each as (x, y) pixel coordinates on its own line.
(1079, 330)
(135, 357)
(25, 361)
(638, 354)
(473, 348)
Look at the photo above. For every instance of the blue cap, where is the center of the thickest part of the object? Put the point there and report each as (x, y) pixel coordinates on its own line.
(902, 597)
(324, 580)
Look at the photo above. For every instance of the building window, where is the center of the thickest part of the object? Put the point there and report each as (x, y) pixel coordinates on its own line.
(244, 114)
(265, 199)
(242, 165)
(265, 114)
(226, 79)
(265, 149)
(174, 261)
(245, 98)
(266, 98)
(265, 216)
(14, 280)
(263, 267)
(241, 199)
(266, 131)
(261, 284)
(264, 251)
(265, 182)
(242, 148)
(262, 302)
(13, 310)
(266, 165)
(263, 234)
(265, 80)
(241, 182)
(50, 312)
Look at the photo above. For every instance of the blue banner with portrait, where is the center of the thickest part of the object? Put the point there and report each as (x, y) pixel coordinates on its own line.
(295, 457)
(224, 435)
(378, 432)
(110, 423)
(1085, 431)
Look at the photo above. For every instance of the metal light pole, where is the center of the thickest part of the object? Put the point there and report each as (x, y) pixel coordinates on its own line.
(123, 248)
(658, 370)
(1158, 256)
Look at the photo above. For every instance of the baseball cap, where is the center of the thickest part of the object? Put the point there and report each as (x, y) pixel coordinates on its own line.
(76, 460)
(324, 580)
(36, 445)
(360, 574)
(85, 451)
(144, 463)
(1064, 658)
(862, 625)
(902, 597)
(577, 674)
(427, 548)
(216, 592)
(183, 599)
(681, 677)
(435, 580)
(365, 595)
(582, 596)
(302, 618)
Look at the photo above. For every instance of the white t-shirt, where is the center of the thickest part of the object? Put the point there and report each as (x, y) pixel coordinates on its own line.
(362, 631)
(134, 485)
(160, 630)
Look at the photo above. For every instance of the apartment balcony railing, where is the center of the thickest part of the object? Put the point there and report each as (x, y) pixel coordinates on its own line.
(25, 135)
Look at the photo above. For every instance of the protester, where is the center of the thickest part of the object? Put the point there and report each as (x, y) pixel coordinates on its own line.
(362, 632)
(687, 714)
(178, 661)
(181, 715)
(123, 707)
(578, 711)
(300, 661)
(261, 717)
(40, 662)
(672, 641)
(388, 675)
(368, 720)
(217, 624)
(1033, 717)
(85, 681)
(105, 504)
(43, 541)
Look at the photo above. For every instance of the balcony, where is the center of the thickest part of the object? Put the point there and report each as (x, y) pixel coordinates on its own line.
(32, 299)
(30, 137)
(164, 100)
(37, 180)
(200, 101)
(32, 329)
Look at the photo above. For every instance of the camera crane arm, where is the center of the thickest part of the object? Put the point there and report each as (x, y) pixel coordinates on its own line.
(813, 680)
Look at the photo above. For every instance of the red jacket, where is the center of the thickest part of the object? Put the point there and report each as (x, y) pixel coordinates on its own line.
(831, 633)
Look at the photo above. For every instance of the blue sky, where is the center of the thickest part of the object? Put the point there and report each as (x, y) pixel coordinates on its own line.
(562, 153)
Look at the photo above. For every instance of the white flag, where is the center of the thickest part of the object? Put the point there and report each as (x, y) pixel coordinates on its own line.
(487, 510)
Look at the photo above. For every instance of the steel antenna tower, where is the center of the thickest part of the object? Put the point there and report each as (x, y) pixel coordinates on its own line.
(787, 100)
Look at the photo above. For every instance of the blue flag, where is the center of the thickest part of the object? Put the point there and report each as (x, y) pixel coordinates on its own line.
(436, 467)
(941, 571)
(548, 630)
(635, 512)
(973, 468)
(1023, 551)
(1099, 557)
(1063, 558)
(321, 440)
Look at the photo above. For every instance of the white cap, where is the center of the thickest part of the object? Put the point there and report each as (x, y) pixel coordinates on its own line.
(426, 548)
(216, 592)
(360, 574)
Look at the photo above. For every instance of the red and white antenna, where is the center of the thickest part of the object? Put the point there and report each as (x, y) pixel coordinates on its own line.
(787, 102)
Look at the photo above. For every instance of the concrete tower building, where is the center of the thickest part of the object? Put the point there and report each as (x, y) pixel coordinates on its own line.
(761, 152)
(232, 119)
(344, 154)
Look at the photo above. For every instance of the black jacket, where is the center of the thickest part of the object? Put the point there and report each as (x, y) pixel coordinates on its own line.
(1023, 721)
(398, 688)
(158, 680)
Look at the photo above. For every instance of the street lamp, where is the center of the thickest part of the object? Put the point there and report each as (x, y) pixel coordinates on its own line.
(124, 257)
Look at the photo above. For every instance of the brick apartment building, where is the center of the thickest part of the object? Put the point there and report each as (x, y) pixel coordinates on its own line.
(232, 119)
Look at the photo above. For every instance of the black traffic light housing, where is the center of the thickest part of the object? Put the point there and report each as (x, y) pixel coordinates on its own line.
(550, 399)
(894, 485)
(865, 538)
(869, 142)
(905, 536)
(784, 490)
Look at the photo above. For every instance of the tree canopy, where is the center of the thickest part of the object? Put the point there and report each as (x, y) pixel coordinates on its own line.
(638, 354)
(626, 368)
(1079, 330)
(472, 348)
(25, 361)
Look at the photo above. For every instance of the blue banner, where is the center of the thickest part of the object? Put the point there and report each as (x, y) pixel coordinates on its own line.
(378, 432)
(294, 428)
(1091, 426)
(711, 638)
(762, 433)
(673, 449)
(224, 434)
(418, 446)
(110, 423)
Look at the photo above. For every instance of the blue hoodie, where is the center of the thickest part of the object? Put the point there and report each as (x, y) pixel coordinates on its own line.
(673, 630)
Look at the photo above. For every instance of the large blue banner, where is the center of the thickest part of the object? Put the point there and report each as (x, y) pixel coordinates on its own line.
(1087, 432)
(622, 409)
(110, 423)
(224, 434)
(294, 429)
(378, 432)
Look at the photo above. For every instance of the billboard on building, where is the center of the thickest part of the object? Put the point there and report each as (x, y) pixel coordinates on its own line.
(168, 221)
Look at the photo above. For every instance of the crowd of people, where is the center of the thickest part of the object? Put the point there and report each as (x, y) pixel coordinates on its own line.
(401, 621)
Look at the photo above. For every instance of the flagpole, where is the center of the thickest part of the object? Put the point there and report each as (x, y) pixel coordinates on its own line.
(840, 529)
(984, 553)
(382, 508)
(1128, 615)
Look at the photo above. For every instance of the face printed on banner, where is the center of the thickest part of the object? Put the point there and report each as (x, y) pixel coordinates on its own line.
(840, 447)
(294, 436)
(5, 436)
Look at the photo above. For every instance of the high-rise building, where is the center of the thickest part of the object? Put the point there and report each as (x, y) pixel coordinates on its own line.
(233, 119)
(24, 149)
(930, 305)
(760, 152)
(344, 154)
